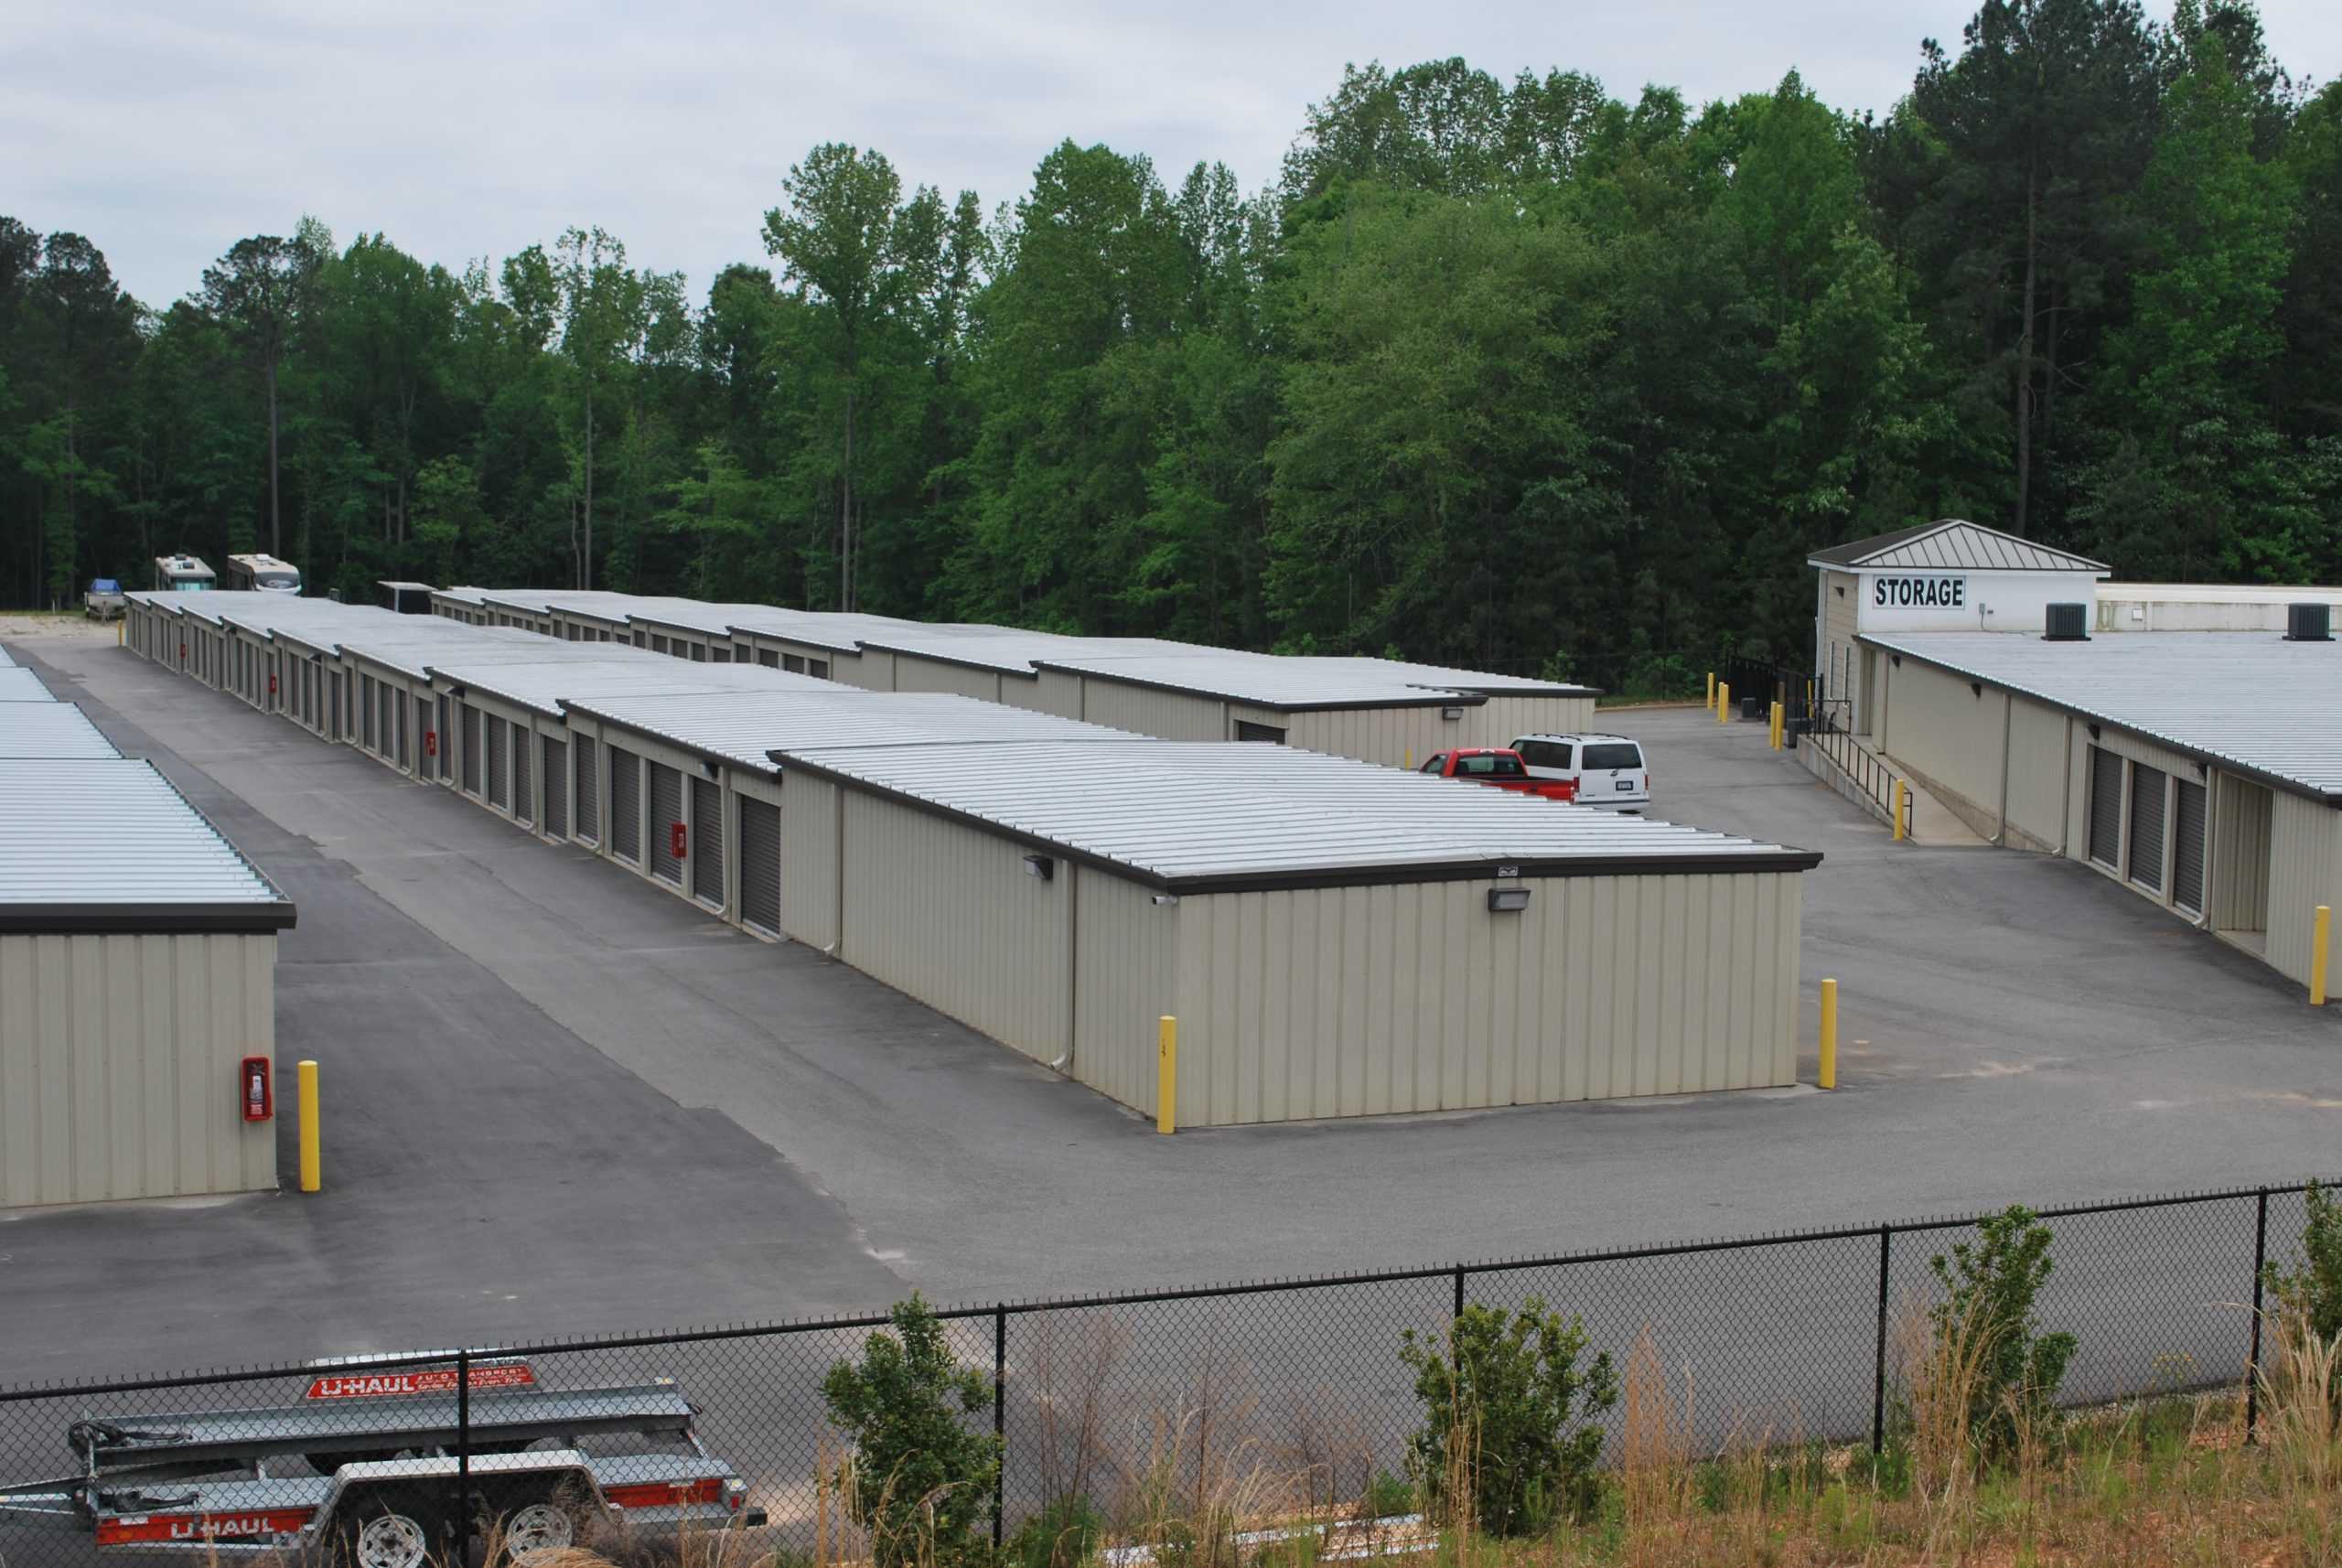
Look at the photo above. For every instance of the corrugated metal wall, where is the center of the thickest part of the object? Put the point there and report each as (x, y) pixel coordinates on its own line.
(1504, 720)
(1169, 715)
(2243, 815)
(2038, 759)
(1931, 722)
(915, 674)
(950, 915)
(2304, 871)
(118, 1058)
(1396, 737)
(808, 860)
(1054, 691)
(1346, 1002)
(1127, 947)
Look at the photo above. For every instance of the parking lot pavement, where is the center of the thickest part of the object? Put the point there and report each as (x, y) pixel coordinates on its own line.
(559, 1099)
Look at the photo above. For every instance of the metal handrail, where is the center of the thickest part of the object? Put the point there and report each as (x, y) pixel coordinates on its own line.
(1861, 767)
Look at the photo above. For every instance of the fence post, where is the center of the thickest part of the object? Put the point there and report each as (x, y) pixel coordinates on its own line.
(1878, 1372)
(2252, 1362)
(461, 1522)
(1459, 1311)
(999, 1415)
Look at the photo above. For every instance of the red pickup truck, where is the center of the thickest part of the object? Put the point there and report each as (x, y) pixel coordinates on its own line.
(1493, 765)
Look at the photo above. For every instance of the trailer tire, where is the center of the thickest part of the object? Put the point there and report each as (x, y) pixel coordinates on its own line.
(541, 1526)
(377, 1535)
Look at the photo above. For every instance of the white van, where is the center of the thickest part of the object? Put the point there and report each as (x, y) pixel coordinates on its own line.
(1608, 769)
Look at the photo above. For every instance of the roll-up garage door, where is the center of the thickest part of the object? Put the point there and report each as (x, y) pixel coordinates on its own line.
(498, 790)
(2187, 851)
(525, 802)
(2146, 826)
(666, 811)
(760, 864)
(334, 730)
(556, 788)
(707, 841)
(2105, 808)
(470, 726)
(589, 792)
(626, 805)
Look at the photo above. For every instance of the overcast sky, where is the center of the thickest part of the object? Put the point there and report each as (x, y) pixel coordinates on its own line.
(166, 132)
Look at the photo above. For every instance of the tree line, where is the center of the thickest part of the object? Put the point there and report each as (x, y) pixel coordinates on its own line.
(1514, 374)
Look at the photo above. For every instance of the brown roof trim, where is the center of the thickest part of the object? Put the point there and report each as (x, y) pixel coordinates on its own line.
(145, 919)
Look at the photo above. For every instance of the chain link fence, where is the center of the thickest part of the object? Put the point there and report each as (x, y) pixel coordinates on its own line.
(624, 1442)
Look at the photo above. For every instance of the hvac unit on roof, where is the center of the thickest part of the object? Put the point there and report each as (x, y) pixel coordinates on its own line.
(2309, 622)
(2068, 623)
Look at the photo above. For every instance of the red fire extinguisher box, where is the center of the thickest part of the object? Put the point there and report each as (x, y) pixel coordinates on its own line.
(254, 1091)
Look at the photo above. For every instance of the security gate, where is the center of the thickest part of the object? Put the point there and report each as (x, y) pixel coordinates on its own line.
(760, 865)
(707, 842)
(666, 811)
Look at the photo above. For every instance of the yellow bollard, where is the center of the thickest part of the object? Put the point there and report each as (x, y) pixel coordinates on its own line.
(1902, 794)
(1723, 701)
(1773, 729)
(2320, 929)
(1711, 688)
(310, 1178)
(1166, 1074)
(1828, 1075)
(1411, 760)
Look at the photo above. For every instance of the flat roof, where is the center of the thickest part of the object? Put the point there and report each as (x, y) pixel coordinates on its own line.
(1307, 684)
(2245, 700)
(753, 729)
(90, 845)
(50, 730)
(1222, 816)
(23, 686)
(1952, 544)
(7, 662)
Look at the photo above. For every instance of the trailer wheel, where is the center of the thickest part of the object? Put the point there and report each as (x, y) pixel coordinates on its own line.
(384, 1538)
(538, 1526)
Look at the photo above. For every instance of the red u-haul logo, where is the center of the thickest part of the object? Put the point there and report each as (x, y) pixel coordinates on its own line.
(131, 1529)
(420, 1380)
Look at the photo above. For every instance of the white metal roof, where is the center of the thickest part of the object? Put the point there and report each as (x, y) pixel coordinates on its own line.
(51, 730)
(7, 662)
(22, 686)
(750, 729)
(93, 845)
(1302, 684)
(1952, 544)
(1225, 816)
(2218, 593)
(2248, 699)
(546, 686)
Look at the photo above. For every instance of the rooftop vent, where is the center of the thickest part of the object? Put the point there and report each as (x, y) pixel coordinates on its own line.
(2068, 623)
(2309, 623)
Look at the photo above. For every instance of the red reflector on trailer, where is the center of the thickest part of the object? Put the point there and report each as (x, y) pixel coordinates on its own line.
(663, 1494)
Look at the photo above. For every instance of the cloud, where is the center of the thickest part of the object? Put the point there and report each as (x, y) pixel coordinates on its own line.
(167, 132)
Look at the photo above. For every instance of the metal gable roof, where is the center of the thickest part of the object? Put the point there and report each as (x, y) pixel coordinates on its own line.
(23, 686)
(2249, 701)
(50, 730)
(7, 662)
(109, 845)
(754, 729)
(1952, 544)
(549, 686)
(1225, 816)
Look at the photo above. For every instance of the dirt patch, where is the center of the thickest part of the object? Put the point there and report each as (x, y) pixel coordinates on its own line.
(33, 625)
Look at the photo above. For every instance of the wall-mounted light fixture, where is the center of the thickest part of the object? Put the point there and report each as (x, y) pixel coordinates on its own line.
(707, 766)
(1839, 589)
(2093, 731)
(1040, 865)
(1167, 900)
(1508, 900)
(1895, 659)
(1976, 688)
(1451, 712)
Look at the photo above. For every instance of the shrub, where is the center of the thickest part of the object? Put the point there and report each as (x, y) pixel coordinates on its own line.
(1388, 1496)
(1986, 1322)
(1506, 1440)
(2311, 1290)
(919, 1479)
(1065, 1534)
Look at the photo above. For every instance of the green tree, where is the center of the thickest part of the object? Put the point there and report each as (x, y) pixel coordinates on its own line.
(919, 1479)
(258, 291)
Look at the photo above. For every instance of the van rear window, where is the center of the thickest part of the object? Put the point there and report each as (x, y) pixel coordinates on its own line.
(1544, 753)
(1613, 754)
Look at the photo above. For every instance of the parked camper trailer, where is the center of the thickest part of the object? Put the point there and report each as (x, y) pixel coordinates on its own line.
(181, 574)
(264, 574)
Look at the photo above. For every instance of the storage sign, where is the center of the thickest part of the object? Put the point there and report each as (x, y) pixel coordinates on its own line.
(1931, 591)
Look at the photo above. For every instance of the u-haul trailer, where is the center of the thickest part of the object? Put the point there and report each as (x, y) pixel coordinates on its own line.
(380, 1448)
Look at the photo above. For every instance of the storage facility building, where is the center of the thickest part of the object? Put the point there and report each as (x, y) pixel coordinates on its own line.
(137, 971)
(1335, 939)
(2201, 769)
